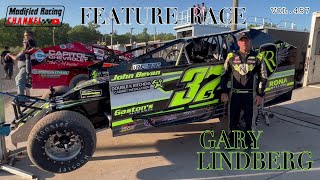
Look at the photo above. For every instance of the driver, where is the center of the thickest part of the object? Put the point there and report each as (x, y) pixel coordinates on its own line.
(247, 72)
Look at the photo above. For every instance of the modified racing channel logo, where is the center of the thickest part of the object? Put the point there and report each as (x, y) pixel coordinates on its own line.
(34, 15)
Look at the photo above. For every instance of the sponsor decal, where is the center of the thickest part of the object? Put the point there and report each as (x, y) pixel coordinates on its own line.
(126, 88)
(134, 110)
(237, 60)
(168, 118)
(88, 47)
(98, 52)
(278, 83)
(128, 127)
(146, 66)
(146, 123)
(63, 46)
(49, 72)
(251, 61)
(39, 55)
(157, 83)
(135, 75)
(89, 93)
(69, 46)
(67, 56)
(51, 76)
(188, 112)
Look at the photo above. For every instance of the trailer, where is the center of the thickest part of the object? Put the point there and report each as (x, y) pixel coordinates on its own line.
(312, 64)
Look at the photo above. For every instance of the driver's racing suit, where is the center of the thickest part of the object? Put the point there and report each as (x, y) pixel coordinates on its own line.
(249, 75)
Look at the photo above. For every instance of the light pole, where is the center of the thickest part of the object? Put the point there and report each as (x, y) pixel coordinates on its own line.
(131, 35)
(233, 25)
(111, 33)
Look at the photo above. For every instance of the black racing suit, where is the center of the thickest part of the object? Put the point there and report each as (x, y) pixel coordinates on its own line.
(248, 75)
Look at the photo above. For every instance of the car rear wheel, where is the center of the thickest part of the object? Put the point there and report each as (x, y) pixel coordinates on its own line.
(61, 142)
(78, 79)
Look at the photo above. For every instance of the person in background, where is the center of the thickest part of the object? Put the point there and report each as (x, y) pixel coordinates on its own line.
(7, 63)
(204, 12)
(29, 46)
(21, 78)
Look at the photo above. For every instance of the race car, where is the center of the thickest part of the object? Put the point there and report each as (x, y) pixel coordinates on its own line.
(175, 83)
(66, 64)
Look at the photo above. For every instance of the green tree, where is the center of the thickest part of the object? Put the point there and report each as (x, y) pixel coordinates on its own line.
(83, 34)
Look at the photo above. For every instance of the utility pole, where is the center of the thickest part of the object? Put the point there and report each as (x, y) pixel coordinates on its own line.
(131, 35)
(105, 39)
(111, 33)
(155, 33)
(234, 26)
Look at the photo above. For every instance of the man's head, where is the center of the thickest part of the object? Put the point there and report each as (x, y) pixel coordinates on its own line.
(244, 42)
(28, 35)
(202, 4)
(6, 48)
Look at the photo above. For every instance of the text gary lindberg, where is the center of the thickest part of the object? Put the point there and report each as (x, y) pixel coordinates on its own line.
(237, 159)
(34, 11)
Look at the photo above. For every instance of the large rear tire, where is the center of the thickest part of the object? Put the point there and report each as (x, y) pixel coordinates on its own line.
(78, 79)
(61, 142)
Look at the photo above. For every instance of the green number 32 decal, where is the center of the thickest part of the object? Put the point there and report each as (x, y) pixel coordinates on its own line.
(193, 92)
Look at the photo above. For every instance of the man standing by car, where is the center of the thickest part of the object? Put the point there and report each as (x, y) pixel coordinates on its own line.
(248, 76)
(7, 63)
(21, 78)
(28, 47)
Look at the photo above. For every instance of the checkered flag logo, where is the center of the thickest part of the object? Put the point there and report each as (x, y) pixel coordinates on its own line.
(46, 21)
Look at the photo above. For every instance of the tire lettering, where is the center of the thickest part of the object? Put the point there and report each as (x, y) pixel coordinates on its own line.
(46, 129)
(38, 138)
(42, 133)
(86, 157)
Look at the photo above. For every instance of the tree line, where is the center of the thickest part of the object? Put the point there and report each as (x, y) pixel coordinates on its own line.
(13, 36)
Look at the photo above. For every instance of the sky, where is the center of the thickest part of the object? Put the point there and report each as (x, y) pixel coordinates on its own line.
(256, 8)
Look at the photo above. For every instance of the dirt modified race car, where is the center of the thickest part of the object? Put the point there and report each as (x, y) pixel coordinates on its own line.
(66, 64)
(155, 89)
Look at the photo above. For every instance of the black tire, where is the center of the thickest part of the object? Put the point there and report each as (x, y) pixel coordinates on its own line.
(59, 90)
(78, 79)
(68, 122)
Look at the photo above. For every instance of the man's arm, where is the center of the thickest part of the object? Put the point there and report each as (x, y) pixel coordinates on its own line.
(226, 75)
(32, 44)
(262, 79)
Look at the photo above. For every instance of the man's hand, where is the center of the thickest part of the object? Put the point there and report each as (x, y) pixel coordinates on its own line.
(258, 100)
(224, 97)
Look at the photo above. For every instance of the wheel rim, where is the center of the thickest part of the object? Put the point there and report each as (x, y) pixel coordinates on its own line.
(63, 146)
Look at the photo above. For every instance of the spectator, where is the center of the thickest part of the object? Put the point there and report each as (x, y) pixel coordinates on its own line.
(204, 12)
(29, 46)
(21, 78)
(7, 63)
